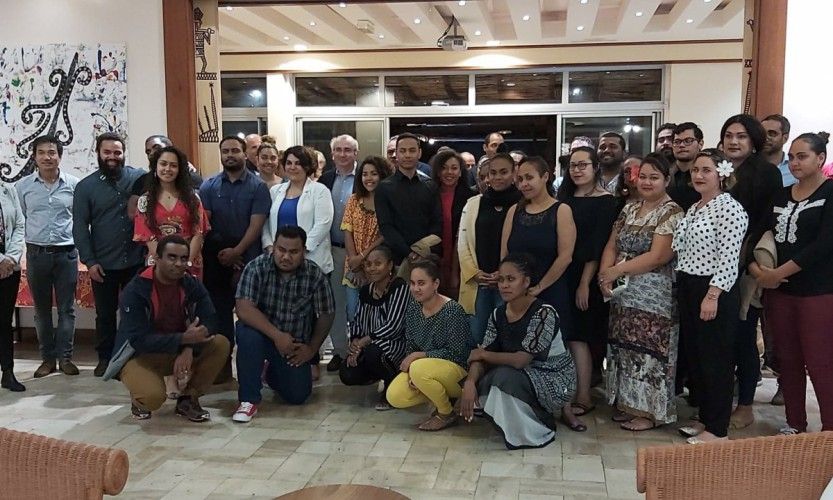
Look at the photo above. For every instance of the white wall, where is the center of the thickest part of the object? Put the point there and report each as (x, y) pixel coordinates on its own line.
(808, 70)
(706, 94)
(136, 23)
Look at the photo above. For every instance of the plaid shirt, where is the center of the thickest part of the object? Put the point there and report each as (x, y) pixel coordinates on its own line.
(291, 304)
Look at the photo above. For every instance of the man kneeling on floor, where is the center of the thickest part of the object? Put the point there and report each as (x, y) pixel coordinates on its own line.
(168, 327)
(285, 306)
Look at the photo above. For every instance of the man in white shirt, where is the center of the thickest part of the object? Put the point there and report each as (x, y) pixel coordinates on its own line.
(611, 154)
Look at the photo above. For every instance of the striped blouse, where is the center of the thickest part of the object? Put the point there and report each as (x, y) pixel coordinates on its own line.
(383, 319)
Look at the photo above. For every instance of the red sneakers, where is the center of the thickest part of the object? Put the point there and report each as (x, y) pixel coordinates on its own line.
(245, 412)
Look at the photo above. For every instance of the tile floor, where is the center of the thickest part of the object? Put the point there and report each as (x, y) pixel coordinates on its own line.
(336, 438)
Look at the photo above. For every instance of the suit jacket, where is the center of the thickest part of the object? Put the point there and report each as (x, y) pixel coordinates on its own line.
(315, 216)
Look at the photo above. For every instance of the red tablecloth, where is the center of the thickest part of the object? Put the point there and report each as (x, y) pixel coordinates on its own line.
(83, 292)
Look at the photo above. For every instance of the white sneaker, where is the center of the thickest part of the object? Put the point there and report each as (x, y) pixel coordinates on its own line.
(245, 412)
(788, 431)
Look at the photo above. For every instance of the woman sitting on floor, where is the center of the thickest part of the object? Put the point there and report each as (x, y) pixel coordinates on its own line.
(523, 374)
(437, 331)
(377, 333)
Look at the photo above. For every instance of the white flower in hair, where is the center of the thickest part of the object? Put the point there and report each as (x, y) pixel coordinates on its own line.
(725, 168)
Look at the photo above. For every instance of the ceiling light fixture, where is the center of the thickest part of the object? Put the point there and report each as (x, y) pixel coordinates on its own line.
(342, 4)
(300, 47)
(526, 17)
(689, 21)
(462, 3)
(493, 43)
(510, 84)
(286, 38)
(580, 28)
(381, 36)
(256, 93)
(417, 20)
(312, 23)
(583, 2)
(229, 8)
(477, 33)
(639, 14)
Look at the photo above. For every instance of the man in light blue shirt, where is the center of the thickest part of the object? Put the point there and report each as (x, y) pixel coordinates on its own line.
(46, 198)
(777, 134)
(339, 180)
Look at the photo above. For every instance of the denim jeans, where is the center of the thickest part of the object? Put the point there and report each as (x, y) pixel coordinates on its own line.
(352, 299)
(488, 299)
(292, 384)
(58, 272)
(106, 297)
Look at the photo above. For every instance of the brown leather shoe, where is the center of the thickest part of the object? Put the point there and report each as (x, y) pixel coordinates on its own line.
(68, 367)
(48, 366)
(190, 408)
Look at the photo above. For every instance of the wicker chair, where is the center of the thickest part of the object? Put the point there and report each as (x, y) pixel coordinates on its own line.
(777, 467)
(39, 467)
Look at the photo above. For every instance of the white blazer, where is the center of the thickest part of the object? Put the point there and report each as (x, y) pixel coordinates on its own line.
(315, 216)
(14, 223)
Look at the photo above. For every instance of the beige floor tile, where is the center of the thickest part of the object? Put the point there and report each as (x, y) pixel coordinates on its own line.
(583, 468)
(252, 487)
(565, 488)
(391, 479)
(621, 483)
(435, 494)
(458, 475)
(193, 489)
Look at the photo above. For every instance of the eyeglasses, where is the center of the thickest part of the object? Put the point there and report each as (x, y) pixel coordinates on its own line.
(580, 165)
(663, 139)
(688, 141)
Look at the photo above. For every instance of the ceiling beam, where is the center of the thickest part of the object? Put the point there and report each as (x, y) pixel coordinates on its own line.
(353, 14)
(328, 25)
(227, 22)
(632, 25)
(383, 16)
(288, 27)
(695, 11)
(253, 16)
(581, 19)
(474, 16)
(432, 23)
(526, 18)
(720, 18)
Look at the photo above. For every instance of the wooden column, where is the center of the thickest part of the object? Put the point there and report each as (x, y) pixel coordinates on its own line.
(769, 39)
(180, 78)
(206, 46)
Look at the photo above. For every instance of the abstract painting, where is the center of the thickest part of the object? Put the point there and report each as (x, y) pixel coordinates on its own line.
(74, 92)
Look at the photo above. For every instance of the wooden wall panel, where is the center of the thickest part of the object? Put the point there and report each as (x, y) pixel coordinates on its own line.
(180, 79)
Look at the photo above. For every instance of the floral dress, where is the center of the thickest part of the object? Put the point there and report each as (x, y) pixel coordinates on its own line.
(644, 326)
(174, 221)
(361, 221)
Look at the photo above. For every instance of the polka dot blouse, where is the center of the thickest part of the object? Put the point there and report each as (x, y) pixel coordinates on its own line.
(708, 240)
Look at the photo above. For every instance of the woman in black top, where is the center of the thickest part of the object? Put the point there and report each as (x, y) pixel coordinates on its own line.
(758, 181)
(799, 299)
(594, 211)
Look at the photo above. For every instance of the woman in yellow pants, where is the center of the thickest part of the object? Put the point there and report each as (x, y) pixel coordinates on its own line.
(437, 331)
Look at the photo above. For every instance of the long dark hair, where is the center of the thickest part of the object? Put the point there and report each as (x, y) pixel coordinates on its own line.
(383, 168)
(568, 187)
(438, 162)
(542, 167)
(182, 184)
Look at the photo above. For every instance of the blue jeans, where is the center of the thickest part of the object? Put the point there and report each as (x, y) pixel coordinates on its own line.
(488, 299)
(352, 296)
(58, 272)
(292, 384)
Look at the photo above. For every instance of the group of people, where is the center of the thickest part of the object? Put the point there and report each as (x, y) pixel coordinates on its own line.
(485, 288)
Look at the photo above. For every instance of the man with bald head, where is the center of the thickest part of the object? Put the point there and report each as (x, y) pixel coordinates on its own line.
(253, 142)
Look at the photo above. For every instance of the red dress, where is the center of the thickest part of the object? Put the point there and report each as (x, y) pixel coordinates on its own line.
(174, 221)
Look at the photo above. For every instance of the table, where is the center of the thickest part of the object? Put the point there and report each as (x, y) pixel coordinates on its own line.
(344, 492)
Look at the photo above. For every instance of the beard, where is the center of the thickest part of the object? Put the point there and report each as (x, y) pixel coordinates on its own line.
(233, 164)
(110, 167)
(668, 153)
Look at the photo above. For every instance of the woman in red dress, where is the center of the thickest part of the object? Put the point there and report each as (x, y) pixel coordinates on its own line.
(170, 206)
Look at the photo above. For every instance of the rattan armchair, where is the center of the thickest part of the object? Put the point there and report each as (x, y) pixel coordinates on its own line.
(39, 467)
(777, 467)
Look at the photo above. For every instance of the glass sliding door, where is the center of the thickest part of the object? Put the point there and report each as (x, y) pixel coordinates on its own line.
(369, 132)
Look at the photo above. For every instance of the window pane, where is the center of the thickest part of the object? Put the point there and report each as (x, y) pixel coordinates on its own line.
(337, 91)
(240, 128)
(243, 92)
(411, 90)
(518, 88)
(616, 85)
(368, 132)
(635, 129)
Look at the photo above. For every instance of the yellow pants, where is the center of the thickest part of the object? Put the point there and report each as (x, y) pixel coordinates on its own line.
(433, 379)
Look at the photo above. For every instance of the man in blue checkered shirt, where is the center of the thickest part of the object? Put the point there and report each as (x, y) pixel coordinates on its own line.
(285, 308)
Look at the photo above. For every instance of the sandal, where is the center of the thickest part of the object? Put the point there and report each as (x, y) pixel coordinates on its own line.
(583, 409)
(630, 425)
(691, 430)
(437, 422)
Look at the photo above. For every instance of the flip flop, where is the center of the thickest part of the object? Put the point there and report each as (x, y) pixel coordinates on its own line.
(653, 425)
(577, 427)
(584, 409)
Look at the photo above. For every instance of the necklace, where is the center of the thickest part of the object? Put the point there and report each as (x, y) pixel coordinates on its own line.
(379, 293)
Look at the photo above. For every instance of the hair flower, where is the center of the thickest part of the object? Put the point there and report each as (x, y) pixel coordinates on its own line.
(725, 168)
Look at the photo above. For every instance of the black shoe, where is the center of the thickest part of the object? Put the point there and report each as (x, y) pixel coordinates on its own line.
(190, 408)
(101, 367)
(68, 367)
(9, 382)
(138, 412)
(335, 364)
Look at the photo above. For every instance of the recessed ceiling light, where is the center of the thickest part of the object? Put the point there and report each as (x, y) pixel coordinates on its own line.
(689, 21)
(639, 14)
(580, 28)
(286, 38)
(381, 36)
(493, 43)
(229, 8)
(510, 84)
(707, 1)
(342, 4)
(417, 20)
(461, 3)
(477, 33)
(583, 2)
(526, 17)
(300, 47)
(312, 23)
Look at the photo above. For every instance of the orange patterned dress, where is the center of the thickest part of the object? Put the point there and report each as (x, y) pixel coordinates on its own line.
(361, 221)
(174, 221)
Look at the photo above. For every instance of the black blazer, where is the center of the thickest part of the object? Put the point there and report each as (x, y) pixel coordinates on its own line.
(328, 178)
